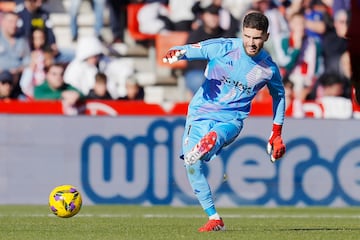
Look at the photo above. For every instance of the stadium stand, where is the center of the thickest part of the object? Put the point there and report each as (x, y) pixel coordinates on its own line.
(162, 82)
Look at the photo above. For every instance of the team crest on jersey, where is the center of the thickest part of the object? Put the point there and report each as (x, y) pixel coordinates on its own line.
(196, 45)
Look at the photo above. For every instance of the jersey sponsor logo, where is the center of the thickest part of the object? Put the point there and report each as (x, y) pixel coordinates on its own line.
(237, 84)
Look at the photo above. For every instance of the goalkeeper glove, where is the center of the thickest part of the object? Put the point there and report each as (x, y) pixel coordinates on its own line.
(173, 55)
(275, 147)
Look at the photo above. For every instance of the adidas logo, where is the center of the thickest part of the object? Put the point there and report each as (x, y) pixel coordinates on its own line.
(230, 63)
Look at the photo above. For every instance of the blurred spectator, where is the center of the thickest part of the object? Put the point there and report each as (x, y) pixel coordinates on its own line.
(54, 88)
(81, 72)
(301, 57)
(294, 7)
(318, 18)
(173, 15)
(181, 16)
(15, 50)
(333, 84)
(335, 43)
(152, 17)
(99, 91)
(34, 16)
(340, 5)
(237, 8)
(317, 15)
(41, 57)
(99, 8)
(209, 28)
(166, 15)
(6, 82)
(332, 99)
(118, 24)
(91, 59)
(226, 20)
(7, 87)
(133, 90)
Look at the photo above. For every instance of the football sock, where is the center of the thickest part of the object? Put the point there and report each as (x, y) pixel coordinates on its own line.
(211, 211)
(215, 216)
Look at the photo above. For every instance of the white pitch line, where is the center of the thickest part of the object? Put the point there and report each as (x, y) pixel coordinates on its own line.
(257, 216)
(240, 216)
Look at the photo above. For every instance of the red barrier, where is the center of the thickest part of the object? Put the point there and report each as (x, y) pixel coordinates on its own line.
(111, 108)
(31, 107)
(116, 108)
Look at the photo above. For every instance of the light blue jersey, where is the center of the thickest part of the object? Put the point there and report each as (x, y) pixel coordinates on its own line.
(232, 80)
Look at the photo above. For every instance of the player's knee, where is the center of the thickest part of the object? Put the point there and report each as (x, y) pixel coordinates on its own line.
(194, 169)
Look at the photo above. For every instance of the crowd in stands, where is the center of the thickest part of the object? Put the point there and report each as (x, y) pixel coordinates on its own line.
(307, 41)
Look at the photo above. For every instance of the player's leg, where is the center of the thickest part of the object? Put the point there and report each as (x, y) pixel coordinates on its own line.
(194, 132)
(225, 133)
(203, 193)
(207, 140)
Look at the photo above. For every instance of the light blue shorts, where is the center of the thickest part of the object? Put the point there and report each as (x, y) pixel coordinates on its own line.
(195, 130)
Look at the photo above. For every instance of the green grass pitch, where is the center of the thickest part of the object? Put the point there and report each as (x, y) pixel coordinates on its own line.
(164, 222)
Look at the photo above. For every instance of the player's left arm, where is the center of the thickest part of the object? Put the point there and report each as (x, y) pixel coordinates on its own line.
(275, 147)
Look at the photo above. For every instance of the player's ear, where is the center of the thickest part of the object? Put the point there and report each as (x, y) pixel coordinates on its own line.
(266, 36)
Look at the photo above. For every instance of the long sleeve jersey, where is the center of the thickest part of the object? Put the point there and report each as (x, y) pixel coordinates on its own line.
(233, 78)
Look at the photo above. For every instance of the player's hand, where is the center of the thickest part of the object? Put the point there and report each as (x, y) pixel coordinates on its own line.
(275, 147)
(173, 55)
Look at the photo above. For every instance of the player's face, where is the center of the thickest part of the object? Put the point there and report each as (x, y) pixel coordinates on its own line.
(253, 40)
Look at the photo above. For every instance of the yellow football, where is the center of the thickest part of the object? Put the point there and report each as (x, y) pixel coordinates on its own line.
(65, 201)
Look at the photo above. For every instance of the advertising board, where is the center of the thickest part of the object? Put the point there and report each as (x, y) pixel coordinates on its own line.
(134, 160)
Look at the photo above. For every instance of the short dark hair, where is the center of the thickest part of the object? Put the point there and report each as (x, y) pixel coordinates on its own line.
(47, 68)
(256, 20)
(101, 77)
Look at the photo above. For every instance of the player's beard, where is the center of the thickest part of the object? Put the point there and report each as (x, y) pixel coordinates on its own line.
(252, 50)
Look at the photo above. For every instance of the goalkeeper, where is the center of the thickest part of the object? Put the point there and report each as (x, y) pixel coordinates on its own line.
(237, 69)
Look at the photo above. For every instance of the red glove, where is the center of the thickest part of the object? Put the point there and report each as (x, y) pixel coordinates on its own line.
(275, 147)
(173, 55)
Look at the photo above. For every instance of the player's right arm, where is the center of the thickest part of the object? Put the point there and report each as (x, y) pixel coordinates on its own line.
(204, 50)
